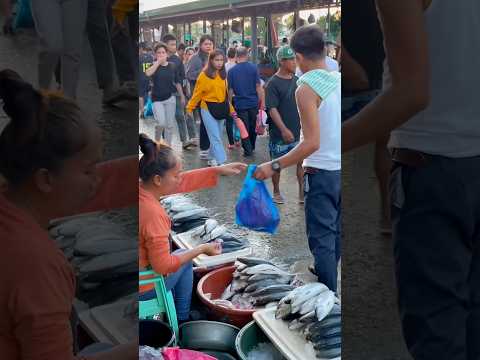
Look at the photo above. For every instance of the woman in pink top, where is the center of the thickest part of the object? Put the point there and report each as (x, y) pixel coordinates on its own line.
(49, 158)
(161, 174)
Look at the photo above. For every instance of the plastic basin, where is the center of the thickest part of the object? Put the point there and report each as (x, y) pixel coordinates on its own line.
(215, 283)
(248, 338)
(155, 333)
(208, 335)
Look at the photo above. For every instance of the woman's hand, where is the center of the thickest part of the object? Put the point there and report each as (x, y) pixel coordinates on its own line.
(212, 249)
(231, 169)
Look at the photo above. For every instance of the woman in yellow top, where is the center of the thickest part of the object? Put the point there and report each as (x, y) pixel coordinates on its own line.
(210, 91)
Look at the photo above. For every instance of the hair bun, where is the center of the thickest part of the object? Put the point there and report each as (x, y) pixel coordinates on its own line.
(21, 102)
(147, 146)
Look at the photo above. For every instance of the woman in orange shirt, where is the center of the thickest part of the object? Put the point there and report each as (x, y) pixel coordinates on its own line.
(49, 153)
(161, 174)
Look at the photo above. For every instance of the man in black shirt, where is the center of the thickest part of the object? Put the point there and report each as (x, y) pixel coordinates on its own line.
(187, 133)
(284, 121)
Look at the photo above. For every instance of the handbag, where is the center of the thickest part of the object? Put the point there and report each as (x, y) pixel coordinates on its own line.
(219, 111)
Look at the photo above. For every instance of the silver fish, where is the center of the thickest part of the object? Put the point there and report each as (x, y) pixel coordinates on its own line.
(210, 224)
(260, 284)
(238, 285)
(308, 317)
(228, 293)
(252, 261)
(306, 294)
(283, 310)
(265, 269)
(295, 325)
(189, 213)
(262, 300)
(271, 290)
(308, 306)
(215, 233)
(324, 304)
(278, 278)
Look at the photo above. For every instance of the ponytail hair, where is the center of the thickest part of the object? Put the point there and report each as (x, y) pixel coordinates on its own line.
(44, 129)
(157, 158)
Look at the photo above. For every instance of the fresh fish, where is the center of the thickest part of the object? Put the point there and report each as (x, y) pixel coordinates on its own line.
(198, 231)
(189, 214)
(108, 261)
(272, 289)
(328, 342)
(252, 261)
(210, 224)
(295, 325)
(228, 293)
(232, 249)
(238, 285)
(306, 294)
(216, 232)
(262, 300)
(308, 306)
(329, 332)
(283, 310)
(224, 303)
(183, 206)
(265, 269)
(330, 353)
(280, 279)
(324, 304)
(241, 267)
(187, 225)
(308, 317)
(260, 284)
(331, 320)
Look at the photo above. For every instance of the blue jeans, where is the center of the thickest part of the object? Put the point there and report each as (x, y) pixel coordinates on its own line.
(181, 284)
(215, 135)
(322, 216)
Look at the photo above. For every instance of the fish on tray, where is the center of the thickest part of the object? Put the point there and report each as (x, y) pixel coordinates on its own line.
(314, 311)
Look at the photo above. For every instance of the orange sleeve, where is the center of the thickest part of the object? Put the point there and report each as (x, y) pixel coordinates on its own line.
(156, 232)
(198, 179)
(40, 306)
(118, 186)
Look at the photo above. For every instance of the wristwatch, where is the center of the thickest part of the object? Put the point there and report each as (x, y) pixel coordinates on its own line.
(276, 166)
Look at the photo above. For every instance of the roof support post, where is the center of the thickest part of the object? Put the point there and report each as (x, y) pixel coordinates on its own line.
(254, 36)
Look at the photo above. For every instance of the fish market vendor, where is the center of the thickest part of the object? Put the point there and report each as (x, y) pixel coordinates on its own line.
(49, 154)
(161, 174)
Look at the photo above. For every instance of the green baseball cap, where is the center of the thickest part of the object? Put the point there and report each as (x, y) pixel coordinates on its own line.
(285, 52)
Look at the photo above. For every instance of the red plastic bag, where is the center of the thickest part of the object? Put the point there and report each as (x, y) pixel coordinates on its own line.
(261, 121)
(184, 354)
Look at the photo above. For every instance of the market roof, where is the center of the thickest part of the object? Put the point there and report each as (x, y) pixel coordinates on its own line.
(219, 8)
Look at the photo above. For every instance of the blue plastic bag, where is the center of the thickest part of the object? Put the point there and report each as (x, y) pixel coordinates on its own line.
(255, 208)
(148, 108)
(24, 17)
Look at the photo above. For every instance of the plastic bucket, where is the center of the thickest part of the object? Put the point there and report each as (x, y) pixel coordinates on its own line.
(248, 338)
(215, 283)
(155, 333)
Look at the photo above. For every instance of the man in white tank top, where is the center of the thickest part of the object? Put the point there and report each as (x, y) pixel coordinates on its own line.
(430, 105)
(318, 100)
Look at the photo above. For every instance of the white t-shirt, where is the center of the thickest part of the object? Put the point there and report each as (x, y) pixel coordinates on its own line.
(229, 65)
(327, 85)
(450, 125)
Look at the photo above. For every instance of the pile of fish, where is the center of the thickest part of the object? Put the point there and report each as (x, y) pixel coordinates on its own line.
(185, 215)
(104, 257)
(256, 282)
(315, 312)
(189, 217)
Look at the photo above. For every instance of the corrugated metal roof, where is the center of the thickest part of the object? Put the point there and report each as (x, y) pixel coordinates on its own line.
(213, 7)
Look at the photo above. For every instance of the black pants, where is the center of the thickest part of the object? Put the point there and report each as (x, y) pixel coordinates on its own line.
(436, 232)
(249, 118)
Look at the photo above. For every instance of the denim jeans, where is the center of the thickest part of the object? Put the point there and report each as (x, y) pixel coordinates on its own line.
(436, 223)
(181, 284)
(323, 216)
(214, 129)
